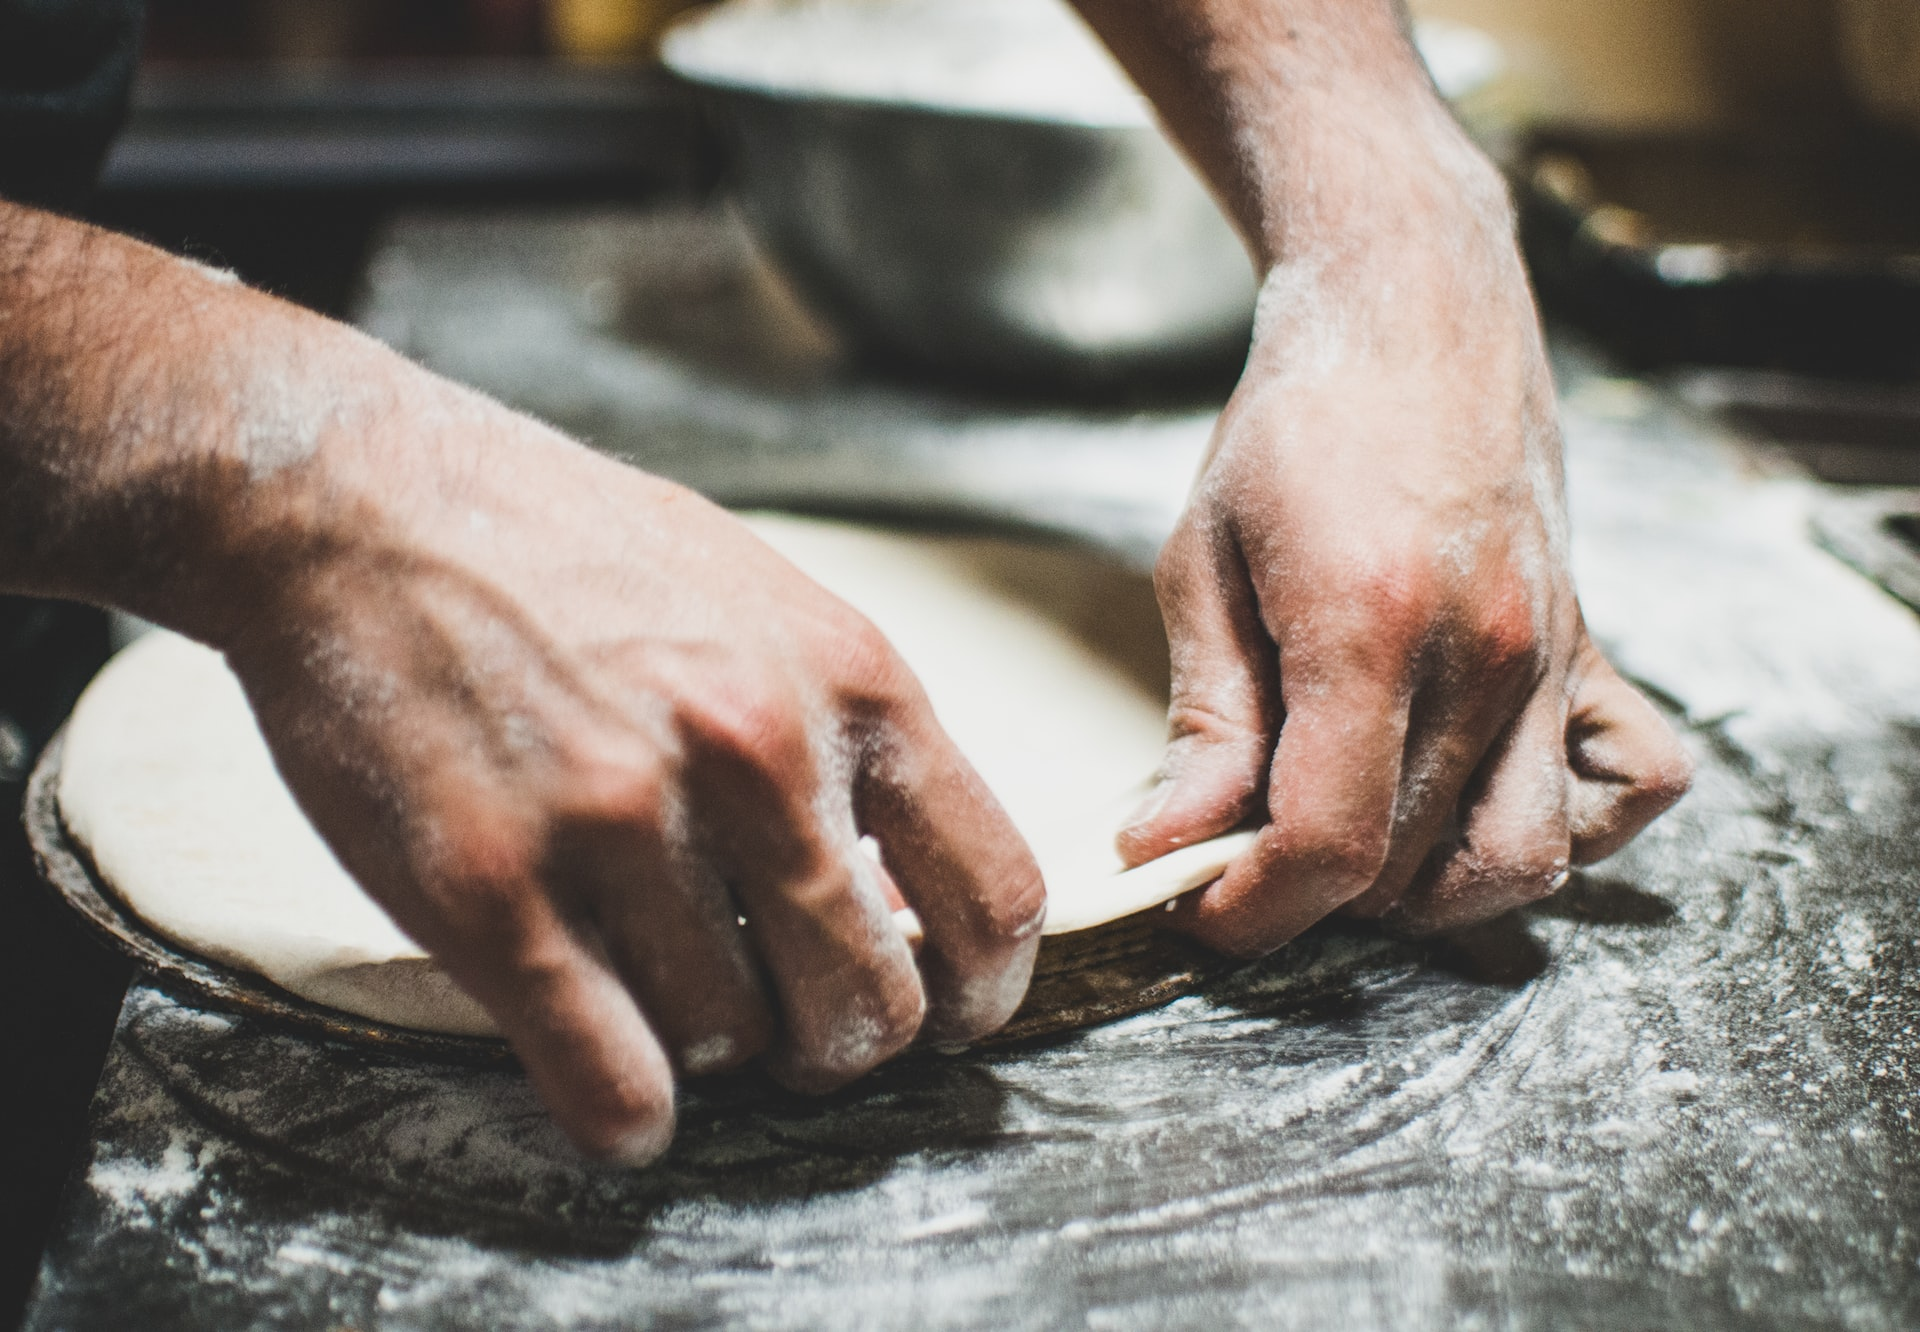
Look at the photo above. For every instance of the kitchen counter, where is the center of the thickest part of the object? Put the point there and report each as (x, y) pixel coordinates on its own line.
(1679, 1093)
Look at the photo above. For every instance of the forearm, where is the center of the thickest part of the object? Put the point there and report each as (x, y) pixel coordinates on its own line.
(1314, 120)
(150, 412)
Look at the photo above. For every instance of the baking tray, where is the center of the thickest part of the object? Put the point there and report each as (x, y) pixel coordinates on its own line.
(1079, 979)
(1792, 251)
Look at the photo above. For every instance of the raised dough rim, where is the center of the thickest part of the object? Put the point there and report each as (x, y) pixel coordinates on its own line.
(65, 866)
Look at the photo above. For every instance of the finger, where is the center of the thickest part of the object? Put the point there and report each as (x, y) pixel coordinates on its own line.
(590, 1054)
(1448, 740)
(1628, 765)
(479, 904)
(779, 827)
(1224, 714)
(849, 995)
(1514, 845)
(672, 932)
(1331, 797)
(963, 868)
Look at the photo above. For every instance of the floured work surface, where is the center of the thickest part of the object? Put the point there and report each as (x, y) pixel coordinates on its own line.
(1044, 661)
(1679, 1094)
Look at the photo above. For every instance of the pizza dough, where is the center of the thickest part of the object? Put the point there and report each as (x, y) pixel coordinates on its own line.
(167, 783)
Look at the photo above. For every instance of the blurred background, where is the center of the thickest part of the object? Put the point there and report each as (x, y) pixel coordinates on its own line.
(273, 135)
(293, 31)
(1720, 196)
(1616, 63)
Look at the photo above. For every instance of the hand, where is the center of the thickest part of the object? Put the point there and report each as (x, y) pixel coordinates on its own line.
(1377, 648)
(609, 758)
(602, 752)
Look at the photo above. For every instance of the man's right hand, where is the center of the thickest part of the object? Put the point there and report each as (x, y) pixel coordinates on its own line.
(595, 746)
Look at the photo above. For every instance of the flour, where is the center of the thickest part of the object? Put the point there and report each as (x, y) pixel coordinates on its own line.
(1024, 58)
(276, 425)
(1027, 59)
(221, 277)
(142, 1188)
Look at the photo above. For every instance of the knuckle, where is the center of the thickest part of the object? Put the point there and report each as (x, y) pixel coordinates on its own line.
(1397, 589)
(818, 882)
(607, 788)
(1175, 566)
(871, 674)
(1209, 723)
(862, 649)
(754, 724)
(483, 870)
(1507, 636)
(1349, 857)
(1381, 611)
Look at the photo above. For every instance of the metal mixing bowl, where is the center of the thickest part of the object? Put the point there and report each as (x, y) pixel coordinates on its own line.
(1013, 248)
(973, 187)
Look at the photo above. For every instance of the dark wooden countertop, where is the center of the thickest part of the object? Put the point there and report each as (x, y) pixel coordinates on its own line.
(1680, 1093)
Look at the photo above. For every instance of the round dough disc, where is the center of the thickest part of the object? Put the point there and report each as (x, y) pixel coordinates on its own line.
(167, 783)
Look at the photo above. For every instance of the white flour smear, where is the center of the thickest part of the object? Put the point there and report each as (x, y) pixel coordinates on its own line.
(1028, 59)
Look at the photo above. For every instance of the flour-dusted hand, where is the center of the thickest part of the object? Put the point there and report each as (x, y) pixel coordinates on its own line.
(609, 758)
(1378, 649)
(591, 742)
(1378, 654)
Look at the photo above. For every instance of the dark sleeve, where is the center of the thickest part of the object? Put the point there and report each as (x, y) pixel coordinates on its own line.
(65, 66)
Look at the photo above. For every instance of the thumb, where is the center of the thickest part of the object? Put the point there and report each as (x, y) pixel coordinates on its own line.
(1224, 711)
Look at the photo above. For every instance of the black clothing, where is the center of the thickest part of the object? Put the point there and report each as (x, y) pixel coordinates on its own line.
(65, 66)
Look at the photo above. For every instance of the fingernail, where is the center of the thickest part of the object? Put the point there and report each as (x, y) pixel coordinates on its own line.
(1150, 806)
(642, 1147)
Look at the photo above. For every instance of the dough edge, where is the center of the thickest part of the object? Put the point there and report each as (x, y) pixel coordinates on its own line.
(374, 972)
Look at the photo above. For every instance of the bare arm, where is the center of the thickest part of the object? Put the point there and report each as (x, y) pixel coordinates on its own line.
(1308, 116)
(122, 437)
(567, 722)
(1378, 651)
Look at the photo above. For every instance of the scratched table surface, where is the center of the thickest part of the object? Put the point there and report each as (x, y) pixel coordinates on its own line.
(1680, 1093)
